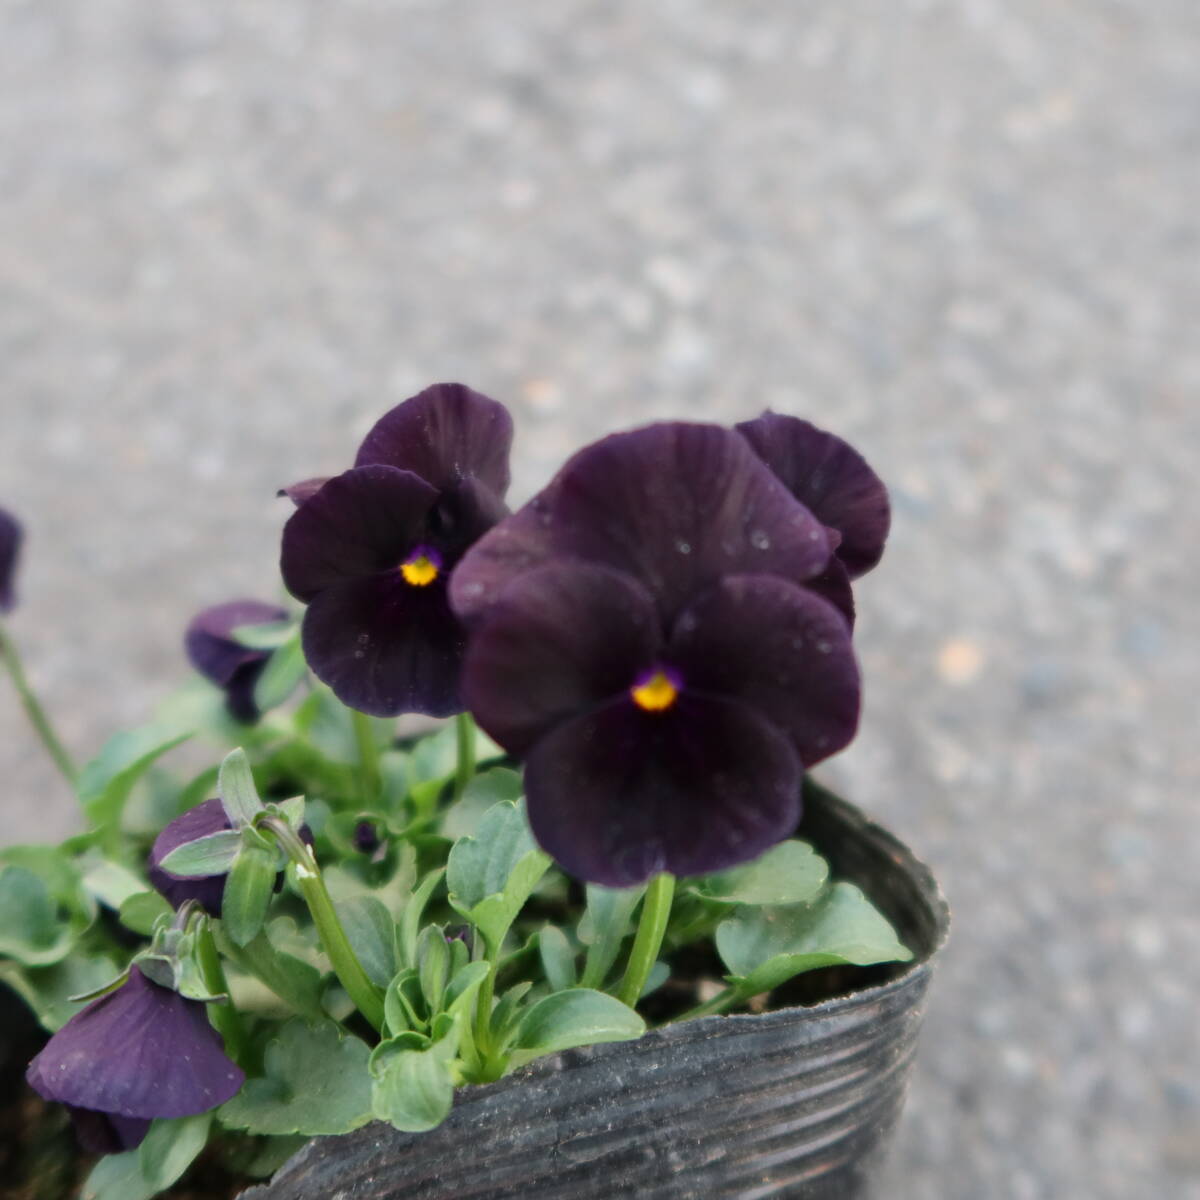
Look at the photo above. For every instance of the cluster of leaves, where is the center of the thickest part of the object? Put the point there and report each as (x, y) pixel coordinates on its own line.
(481, 953)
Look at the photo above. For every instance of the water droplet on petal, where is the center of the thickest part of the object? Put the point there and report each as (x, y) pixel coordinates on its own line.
(360, 654)
(682, 546)
(824, 647)
(364, 639)
(759, 539)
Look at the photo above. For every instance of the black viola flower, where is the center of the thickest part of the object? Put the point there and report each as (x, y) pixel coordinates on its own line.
(829, 476)
(370, 551)
(661, 746)
(10, 547)
(677, 506)
(215, 653)
(205, 819)
(140, 1052)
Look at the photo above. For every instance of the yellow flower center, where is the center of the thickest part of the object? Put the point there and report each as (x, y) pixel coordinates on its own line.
(655, 694)
(420, 571)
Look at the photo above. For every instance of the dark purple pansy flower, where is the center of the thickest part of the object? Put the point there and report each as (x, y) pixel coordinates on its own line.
(10, 546)
(676, 506)
(653, 746)
(140, 1052)
(206, 818)
(370, 551)
(832, 479)
(227, 663)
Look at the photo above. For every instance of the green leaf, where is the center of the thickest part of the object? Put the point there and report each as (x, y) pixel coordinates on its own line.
(413, 1090)
(296, 982)
(764, 947)
(490, 876)
(247, 894)
(579, 1017)
(402, 1002)
(280, 677)
(789, 873)
(433, 965)
(410, 919)
(558, 958)
(31, 930)
(372, 934)
(48, 990)
(604, 926)
(235, 786)
(464, 984)
(106, 781)
(212, 854)
(482, 793)
(140, 912)
(111, 883)
(269, 635)
(315, 1081)
(170, 1148)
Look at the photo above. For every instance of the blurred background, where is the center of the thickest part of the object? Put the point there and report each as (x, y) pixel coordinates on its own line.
(961, 233)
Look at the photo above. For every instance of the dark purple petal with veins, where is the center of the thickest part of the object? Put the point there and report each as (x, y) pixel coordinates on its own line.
(445, 434)
(206, 818)
(142, 1051)
(831, 478)
(619, 794)
(363, 521)
(675, 505)
(564, 638)
(780, 650)
(384, 646)
(10, 546)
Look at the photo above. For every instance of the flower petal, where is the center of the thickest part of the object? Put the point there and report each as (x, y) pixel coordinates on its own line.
(833, 584)
(832, 478)
(141, 1051)
(564, 638)
(617, 794)
(780, 650)
(10, 546)
(210, 646)
(204, 819)
(362, 521)
(386, 647)
(103, 1133)
(461, 516)
(304, 490)
(444, 434)
(675, 505)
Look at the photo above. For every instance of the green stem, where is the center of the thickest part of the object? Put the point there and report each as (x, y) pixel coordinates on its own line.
(224, 1017)
(465, 729)
(368, 999)
(33, 709)
(718, 1004)
(652, 924)
(368, 758)
(483, 1017)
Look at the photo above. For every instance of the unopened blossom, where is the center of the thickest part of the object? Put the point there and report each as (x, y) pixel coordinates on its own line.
(370, 551)
(220, 658)
(137, 1053)
(10, 546)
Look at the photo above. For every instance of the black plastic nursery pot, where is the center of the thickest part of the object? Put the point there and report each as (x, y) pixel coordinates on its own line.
(797, 1102)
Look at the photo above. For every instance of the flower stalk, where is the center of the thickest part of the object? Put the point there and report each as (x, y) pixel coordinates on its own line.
(464, 728)
(223, 1016)
(34, 710)
(366, 996)
(652, 925)
(368, 759)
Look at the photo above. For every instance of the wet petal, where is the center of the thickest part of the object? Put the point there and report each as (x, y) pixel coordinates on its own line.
(618, 794)
(386, 647)
(445, 434)
(564, 638)
(362, 521)
(10, 546)
(780, 650)
(142, 1051)
(675, 505)
(831, 478)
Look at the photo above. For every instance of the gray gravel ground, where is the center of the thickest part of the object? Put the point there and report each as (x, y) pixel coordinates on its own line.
(962, 234)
